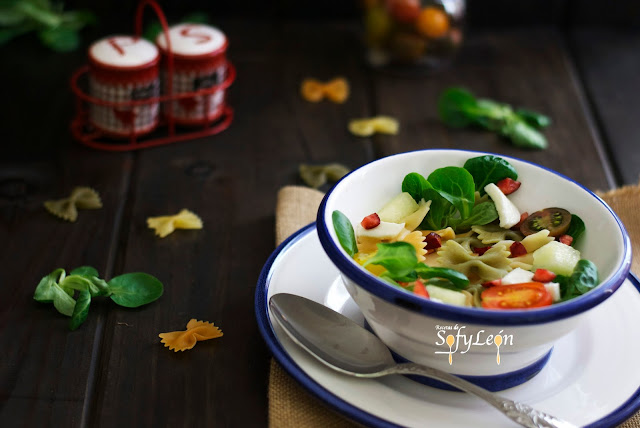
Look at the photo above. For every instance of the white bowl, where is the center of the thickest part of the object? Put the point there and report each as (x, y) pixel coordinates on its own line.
(415, 328)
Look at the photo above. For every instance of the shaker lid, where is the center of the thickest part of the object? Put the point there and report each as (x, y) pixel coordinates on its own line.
(193, 40)
(126, 52)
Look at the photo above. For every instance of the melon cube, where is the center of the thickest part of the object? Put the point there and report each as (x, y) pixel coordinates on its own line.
(556, 257)
(445, 295)
(398, 208)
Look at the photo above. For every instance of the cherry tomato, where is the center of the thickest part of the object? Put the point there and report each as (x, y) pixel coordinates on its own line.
(517, 249)
(481, 250)
(370, 221)
(565, 239)
(432, 22)
(516, 296)
(556, 220)
(543, 275)
(433, 241)
(508, 185)
(492, 283)
(406, 11)
(420, 289)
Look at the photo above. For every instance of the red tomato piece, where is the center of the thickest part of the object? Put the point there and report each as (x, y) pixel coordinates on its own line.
(516, 296)
(433, 241)
(523, 217)
(543, 275)
(517, 249)
(566, 239)
(404, 10)
(493, 283)
(420, 289)
(508, 185)
(370, 221)
(481, 250)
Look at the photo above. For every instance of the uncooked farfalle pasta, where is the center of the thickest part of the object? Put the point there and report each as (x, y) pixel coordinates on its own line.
(186, 339)
(67, 208)
(165, 225)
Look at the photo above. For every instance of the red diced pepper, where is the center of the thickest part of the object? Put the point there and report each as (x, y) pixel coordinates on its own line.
(543, 275)
(566, 239)
(433, 241)
(493, 283)
(508, 185)
(420, 289)
(523, 217)
(481, 250)
(370, 221)
(517, 249)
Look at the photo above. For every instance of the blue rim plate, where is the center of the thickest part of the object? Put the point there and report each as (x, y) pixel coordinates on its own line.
(457, 314)
(626, 408)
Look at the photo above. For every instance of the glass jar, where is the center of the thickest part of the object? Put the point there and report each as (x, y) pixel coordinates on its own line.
(421, 34)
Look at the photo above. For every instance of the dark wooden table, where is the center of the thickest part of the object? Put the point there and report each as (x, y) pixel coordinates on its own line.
(113, 371)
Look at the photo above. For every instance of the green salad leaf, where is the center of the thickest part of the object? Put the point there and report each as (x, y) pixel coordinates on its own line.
(583, 279)
(134, 289)
(481, 214)
(576, 228)
(415, 185)
(399, 258)
(345, 233)
(81, 310)
(456, 185)
(458, 279)
(489, 169)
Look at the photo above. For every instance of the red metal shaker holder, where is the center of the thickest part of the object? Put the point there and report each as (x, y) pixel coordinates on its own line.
(84, 132)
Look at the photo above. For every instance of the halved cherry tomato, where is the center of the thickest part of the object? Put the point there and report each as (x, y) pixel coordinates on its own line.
(523, 217)
(508, 185)
(492, 283)
(565, 239)
(543, 275)
(420, 289)
(480, 250)
(516, 296)
(556, 220)
(370, 221)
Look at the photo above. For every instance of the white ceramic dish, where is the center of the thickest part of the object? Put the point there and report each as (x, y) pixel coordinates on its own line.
(591, 378)
(410, 325)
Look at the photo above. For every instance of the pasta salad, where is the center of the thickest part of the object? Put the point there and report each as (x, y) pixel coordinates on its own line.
(455, 237)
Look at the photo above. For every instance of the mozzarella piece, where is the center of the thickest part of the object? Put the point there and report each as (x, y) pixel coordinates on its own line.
(384, 230)
(507, 212)
(444, 295)
(554, 289)
(517, 276)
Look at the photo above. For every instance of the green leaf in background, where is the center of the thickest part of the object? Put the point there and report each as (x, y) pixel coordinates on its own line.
(87, 271)
(523, 135)
(535, 119)
(60, 39)
(135, 289)
(80, 311)
(415, 185)
(152, 30)
(399, 258)
(576, 228)
(489, 169)
(456, 185)
(345, 233)
(452, 107)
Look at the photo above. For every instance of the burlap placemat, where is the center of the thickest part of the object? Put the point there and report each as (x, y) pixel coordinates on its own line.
(290, 405)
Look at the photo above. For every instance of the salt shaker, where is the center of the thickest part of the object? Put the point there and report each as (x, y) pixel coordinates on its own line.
(124, 69)
(199, 62)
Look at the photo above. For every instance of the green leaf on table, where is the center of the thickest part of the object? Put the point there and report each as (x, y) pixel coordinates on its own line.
(576, 228)
(81, 310)
(456, 185)
(60, 39)
(415, 185)
(532, 118)
(134, 289)
(453, 106)
(48, 291)
(344, 231)
(77, 19)
(152, 31)
(489, 169)
(87, 271)
(399, 258)
(196, 18)
(92, 284)
(523, 135)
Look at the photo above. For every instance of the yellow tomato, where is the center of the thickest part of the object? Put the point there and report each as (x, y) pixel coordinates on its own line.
(432, 22)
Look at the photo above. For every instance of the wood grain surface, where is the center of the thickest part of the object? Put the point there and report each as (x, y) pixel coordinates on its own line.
(113, 371)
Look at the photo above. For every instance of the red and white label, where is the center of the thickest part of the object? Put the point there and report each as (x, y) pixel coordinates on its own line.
(193, 39)
(123, 51)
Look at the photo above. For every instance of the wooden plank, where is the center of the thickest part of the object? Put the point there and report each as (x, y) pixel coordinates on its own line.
(608, 64)
(45, 369)
(231, 181)
(523, 68)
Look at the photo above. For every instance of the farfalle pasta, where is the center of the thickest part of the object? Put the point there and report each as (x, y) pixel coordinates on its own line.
(81, 198)
(336, 90)
(370, 126)
(455, 237)
(196, 331)
(165, 225)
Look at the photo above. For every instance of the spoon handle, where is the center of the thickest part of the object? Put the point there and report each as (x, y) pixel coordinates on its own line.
(519, 412)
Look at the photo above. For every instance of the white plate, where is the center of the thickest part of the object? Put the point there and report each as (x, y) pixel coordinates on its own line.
(592, 377)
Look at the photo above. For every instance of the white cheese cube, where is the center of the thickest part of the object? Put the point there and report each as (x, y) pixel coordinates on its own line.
(517, 276)
(554, 289)
(508, 213)
(384, 230)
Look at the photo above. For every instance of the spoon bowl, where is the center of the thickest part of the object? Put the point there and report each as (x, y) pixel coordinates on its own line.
(344, 346)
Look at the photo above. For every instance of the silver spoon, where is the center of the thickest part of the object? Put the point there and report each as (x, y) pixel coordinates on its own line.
(344, 346)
